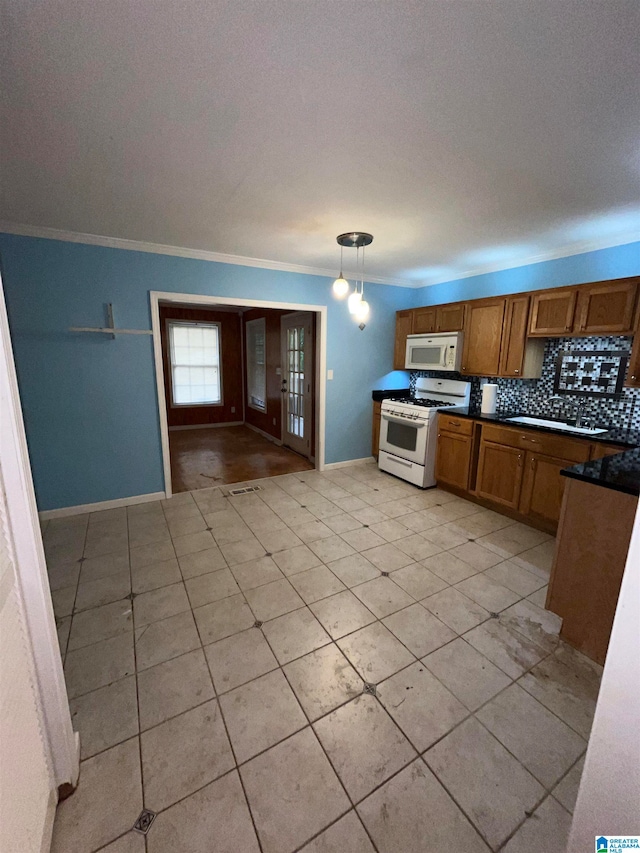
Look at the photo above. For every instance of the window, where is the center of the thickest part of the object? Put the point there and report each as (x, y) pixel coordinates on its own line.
(195, 363)
(256, 365)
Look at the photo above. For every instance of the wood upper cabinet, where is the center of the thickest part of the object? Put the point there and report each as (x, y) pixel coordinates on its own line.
(500, 470)
(424, 320)
(514, 337)
(375, 429)
(552, 312)
(450, 318)
(606, 308)
(404, 327)
(483, 337)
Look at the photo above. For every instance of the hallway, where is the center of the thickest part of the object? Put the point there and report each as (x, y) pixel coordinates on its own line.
(216, 456)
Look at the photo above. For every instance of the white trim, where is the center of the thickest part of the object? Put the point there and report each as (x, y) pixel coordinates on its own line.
(80, 509)
(157, 296)
(264, 434)
(43, 232)
(348, 462)
(31, 568)
(204, 426)
(567, 251)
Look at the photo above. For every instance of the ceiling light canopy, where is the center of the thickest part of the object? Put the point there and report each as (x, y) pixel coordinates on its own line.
(358, 308)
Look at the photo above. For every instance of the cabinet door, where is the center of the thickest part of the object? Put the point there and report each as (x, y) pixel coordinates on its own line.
(514, 336)
(453, 457)
(482, 337)
(375, 430)
(450, 318)
(424, 320)
(543, 487)
(404, 327)
(552, 312)
(500, 473)
(606, 308)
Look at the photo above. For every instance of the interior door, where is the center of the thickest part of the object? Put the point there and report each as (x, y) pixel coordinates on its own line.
(297, 380)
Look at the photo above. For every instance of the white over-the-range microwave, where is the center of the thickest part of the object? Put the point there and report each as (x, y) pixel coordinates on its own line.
(434, 352)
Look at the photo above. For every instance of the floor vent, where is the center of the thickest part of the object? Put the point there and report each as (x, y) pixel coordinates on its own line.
(245, 490)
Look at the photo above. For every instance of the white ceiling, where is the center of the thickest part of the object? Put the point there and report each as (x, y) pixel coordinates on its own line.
(463, 135)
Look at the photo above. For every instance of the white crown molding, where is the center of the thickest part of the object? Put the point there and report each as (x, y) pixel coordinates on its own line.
(179, 252)
(219, 257)
(556, 254)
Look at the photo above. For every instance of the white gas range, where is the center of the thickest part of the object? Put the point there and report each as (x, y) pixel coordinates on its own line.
(408, 429)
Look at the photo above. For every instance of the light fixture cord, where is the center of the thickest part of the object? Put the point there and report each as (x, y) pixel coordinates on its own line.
(362, 274)
(341, 252)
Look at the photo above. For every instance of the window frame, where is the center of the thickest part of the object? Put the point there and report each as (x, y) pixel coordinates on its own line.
(169, 322)
(253, 323)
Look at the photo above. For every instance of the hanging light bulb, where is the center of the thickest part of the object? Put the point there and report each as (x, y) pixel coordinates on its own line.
(340, 285)
(362, 311)
(353, 301)
(358, 308)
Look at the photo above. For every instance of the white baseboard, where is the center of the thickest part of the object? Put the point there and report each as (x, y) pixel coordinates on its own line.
(348, 462)
(46, 514)
(205, 426)
(264, 434)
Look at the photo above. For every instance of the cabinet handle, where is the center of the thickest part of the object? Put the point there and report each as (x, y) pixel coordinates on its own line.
(454, 423)
(533, 463)
(532, 440)
(516, 371)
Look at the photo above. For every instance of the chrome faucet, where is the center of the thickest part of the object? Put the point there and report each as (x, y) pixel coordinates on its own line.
(579, 407)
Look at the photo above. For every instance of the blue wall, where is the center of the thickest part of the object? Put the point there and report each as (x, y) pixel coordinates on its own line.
(90, 403)
(616, 262)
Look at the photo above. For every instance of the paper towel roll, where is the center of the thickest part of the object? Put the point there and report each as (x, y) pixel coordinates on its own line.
(489, 397)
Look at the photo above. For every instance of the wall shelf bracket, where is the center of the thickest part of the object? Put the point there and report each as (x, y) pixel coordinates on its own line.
(110, 328)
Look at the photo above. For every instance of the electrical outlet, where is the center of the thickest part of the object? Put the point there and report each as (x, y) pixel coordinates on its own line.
(274, 421)
(329, 374)
(233, 410)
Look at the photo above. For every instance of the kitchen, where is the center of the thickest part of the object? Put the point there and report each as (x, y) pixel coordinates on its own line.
(499, 435)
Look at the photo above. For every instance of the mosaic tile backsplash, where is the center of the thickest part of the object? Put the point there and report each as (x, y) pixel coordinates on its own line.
(529, 395)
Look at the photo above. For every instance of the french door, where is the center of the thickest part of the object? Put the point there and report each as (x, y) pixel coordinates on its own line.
(297, 380)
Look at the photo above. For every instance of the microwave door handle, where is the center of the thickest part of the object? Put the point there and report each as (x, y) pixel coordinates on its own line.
(444, 357)
(403, 421)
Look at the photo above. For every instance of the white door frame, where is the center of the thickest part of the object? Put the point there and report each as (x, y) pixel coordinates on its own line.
(157, 296)
(63, 743)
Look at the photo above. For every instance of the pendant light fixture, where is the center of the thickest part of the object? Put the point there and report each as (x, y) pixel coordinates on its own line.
(356, 304)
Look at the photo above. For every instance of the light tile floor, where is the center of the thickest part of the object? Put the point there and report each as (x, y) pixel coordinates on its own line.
(337, 662)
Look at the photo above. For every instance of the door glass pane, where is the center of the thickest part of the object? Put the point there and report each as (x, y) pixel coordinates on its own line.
(295, 381)
(402, 436)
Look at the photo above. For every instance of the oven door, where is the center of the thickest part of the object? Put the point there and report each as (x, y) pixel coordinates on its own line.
(404, 438)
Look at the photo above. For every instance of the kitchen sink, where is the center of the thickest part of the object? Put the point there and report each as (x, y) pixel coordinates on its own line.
(542, 422)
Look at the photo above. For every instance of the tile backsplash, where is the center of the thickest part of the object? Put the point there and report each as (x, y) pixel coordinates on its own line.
(529, 395)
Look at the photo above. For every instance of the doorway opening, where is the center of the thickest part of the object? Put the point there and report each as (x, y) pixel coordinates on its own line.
(240, 395)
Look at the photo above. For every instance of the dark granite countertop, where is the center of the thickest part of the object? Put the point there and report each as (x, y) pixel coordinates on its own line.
(620, 472)
(379, 396)
(615, 435)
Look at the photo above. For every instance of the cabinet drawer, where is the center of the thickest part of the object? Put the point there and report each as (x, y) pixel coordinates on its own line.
(462, 426)
(571, 449)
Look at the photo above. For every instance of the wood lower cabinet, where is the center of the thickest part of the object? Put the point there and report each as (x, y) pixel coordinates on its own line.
(500, 470)
(604, 308)
(552, 312)
(483, 337)
(424, 320)
(404, 327)
(591, 553)
(453, 459)
(543, 487)
(375, 429)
